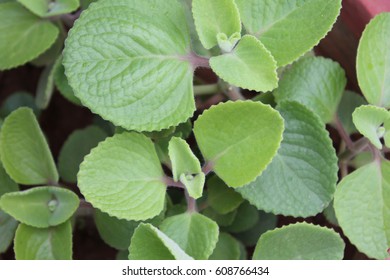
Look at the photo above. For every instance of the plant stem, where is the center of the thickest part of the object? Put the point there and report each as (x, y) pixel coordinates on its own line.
(343, 133)
(234, 93)
(206, 89)
(85, 209)
(208, 167)
(357, 147)
(191, 203)
(197, 61)
(171, 183)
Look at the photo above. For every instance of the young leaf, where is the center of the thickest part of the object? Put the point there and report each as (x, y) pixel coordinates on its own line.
(76, 147)
(289, 28)
(239, 139)
(24, 151)
(373, 61)
(227, 248)
(300, 241)
(148, 243)
(349, 102)
(250, 65)
(18, 29)
(128, 62)
(16, 100)
(215, 17)
(40, 207)
(222, 198)
(123, 177)
(8, 227)
(302, 177)
(362, 203)
(45, 8)
(45, 86)
(62, 84)
(247, 216)
(321, 89)
(369, 121)
(53, 243)
(196, 234)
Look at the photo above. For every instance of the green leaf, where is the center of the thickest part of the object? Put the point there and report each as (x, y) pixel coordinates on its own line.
(247, 216)
(54, 52)
(362, 205)
(18, 29)
(302, 177)
(62, 84)
(6, 183)
(123, 177)
(369, 121)
(222, 198)
(321, 89)
(222, 220)
(45, 8)
(227, 248)
(8, 227)
(24, 151)
(239, 139)
(386, 137)
(41, 207)
(54, 243)
(117, 233)
(128, 62)
(373, 61)
(16, 100)
(76, 147)
(330, 214)
(300, 241)
(215, 17)
(349, 102)
(289, 28)
(148, 243)
(45, 86)
(196, 234)
(250, 65)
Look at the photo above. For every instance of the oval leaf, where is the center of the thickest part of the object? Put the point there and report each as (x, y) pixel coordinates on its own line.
(227, 248)
(247, 216)
(362, 205)
(300, 241)
(16, 100)
(62, 84)
(239, 139)
(41, 207)
(349, 102)
(123, 177)
(8, 227)
(127, 62)
(24, 151)
(45, 8)
(302, 177)
(373, 61)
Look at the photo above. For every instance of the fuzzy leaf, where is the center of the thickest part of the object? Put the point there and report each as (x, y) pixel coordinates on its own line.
(302, 177)
(40, 207)
(16, 100)
(123, 177)
(76, 147)
(289, 28)
(247, 216)
(18, 29)
(369, 121)
(45, 8)
(6, 183)
(215, 17)
(300, 241)
(54, 243)
(62, 84)
(45, 86)
(128, 62)
(239, 139)
(222, 198)
(349, 102)
(250, 65)
(362, 205)
(196, 234)
(222, 220)
(386, 137)
(321, 88)
(149, 243)
(24, 151)
(227, 248)
(373, 61)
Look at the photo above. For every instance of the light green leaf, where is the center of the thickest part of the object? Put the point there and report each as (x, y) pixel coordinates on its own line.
(386, 137)
(247, 216)
(6, 183)
(54, 243)
(149, 243)
(369, 121)
(54, 52)
(250, 65)
(45, 86)
(41, 207)
(330, 214)
(123, 177)
(62, 84)
(76, 147)
(227, 248)
(349, 102)
(301, 179)
(16, 100)
(24, 151)
(196, 234)
(373, 61)
(222, 198)
(321, 89)
(18, 29)
(300, 241)
(215, 17)
(239, 139)
(45, 8)
(362, 205)
(8, 227)
(289, 28)
(128, 61)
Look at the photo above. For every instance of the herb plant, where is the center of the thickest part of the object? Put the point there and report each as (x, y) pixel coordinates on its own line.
(165, 184)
